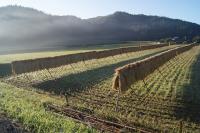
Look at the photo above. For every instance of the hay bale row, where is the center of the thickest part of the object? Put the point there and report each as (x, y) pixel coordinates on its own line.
(125, 76)
(25, 66)
(19, 67)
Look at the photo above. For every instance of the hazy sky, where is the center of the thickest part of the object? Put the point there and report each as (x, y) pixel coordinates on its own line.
(182, 9)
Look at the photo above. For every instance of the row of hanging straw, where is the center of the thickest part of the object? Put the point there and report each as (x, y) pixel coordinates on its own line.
(25, 66)
(127, 75)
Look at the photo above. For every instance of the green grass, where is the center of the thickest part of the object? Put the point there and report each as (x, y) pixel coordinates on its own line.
(27, 107)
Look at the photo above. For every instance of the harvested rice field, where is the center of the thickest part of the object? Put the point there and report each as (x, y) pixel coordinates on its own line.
(79, 97)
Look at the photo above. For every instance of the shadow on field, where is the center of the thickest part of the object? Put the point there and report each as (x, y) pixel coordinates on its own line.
(5, 70)
(191, 96)
(82, 81)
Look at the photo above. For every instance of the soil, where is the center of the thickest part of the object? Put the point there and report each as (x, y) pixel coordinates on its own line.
(8, 126)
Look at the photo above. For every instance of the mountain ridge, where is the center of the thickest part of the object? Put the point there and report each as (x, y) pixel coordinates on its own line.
(22, 27)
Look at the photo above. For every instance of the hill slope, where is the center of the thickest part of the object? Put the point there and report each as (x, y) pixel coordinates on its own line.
(26, 28)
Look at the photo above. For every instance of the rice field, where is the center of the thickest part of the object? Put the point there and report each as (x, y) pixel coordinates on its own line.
(86, 73)
(165, 101)
(7, 58)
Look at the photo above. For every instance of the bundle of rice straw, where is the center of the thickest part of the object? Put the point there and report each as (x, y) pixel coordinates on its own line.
(125, 76)
(25, 66)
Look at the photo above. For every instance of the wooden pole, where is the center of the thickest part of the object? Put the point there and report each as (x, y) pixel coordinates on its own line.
(117, 101)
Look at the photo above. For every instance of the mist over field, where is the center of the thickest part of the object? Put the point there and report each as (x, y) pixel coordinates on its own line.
(26, 29)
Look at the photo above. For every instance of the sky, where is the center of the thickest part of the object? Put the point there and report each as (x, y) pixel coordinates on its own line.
(188, 10)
